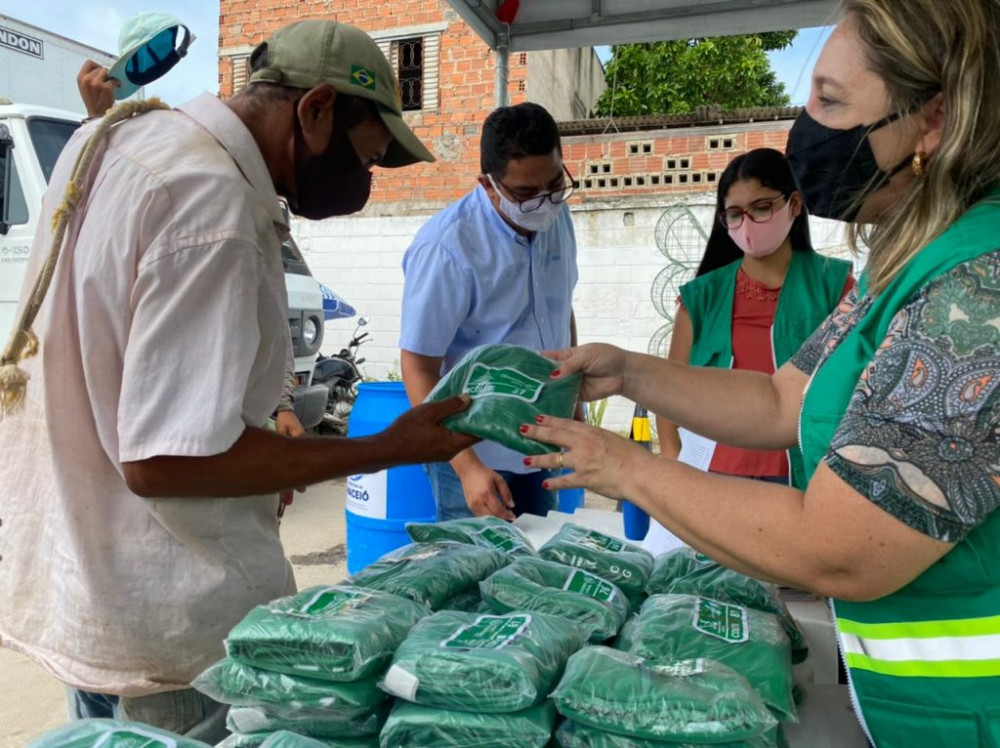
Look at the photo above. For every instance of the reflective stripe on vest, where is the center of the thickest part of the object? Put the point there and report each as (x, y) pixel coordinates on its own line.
(968, 648)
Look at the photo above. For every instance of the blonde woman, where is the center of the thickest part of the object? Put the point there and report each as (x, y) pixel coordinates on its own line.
(895, 400)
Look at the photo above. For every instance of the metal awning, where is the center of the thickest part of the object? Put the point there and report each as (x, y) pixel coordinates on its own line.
(557, 24)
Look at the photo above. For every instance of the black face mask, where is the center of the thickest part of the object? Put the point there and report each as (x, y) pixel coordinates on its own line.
(333, 183)
(836, 169)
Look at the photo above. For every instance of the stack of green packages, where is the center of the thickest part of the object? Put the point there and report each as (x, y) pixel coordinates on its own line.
(625, 564)
(337, 709)
(684, 571)
(431, 573)
(255, 723)
(332, 643)
(573, 735)
(478, 679)
(337, 633)
(615, 698)
(106, 733)
(750, 641)
(489, 532)
(469, 601)
(594, 604)
(288, 739)
(415, 726)
(510, 386)
(482, 663)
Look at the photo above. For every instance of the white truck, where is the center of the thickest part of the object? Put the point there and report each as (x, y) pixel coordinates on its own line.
(38, 71)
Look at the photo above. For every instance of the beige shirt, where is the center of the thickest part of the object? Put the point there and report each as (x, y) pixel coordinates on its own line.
(164, 333)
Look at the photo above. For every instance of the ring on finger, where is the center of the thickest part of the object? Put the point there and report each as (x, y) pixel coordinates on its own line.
(560, 457)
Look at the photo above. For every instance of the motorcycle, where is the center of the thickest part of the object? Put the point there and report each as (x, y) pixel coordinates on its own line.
(340, 374)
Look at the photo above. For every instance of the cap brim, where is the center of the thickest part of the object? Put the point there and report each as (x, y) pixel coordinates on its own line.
(117, 71)
(406, 148)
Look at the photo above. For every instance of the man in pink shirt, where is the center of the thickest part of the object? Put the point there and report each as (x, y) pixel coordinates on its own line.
(139, 486)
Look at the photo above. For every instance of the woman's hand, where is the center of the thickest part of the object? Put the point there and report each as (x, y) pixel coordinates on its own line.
(603, 368)
(602, 461)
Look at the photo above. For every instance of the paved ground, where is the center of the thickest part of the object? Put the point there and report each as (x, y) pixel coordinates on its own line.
(32, 702)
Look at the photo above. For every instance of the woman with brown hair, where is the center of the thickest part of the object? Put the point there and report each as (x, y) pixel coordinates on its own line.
(894, 400)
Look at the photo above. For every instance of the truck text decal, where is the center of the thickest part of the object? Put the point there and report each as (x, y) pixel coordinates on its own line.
(23, 43)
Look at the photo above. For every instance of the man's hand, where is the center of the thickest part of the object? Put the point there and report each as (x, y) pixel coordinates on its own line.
(486, 492)
(417, 436)
(96, 89)
(287, 423)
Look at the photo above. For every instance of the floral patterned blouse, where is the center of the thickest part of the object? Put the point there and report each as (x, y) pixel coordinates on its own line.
(921, 436)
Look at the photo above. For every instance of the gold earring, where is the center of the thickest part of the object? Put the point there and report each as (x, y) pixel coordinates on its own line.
(918, 163)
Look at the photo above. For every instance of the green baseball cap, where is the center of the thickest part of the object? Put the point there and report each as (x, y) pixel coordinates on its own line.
(308, 53)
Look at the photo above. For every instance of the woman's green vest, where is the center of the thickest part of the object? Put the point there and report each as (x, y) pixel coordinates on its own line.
(811, 291)
(924, 661)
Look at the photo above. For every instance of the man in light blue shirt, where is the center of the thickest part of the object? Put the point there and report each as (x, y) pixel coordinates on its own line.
(497, 266)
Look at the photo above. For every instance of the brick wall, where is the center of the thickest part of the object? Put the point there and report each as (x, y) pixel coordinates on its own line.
(465, 83)
(666, 162)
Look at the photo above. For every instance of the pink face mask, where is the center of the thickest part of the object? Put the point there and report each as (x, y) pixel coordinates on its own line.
(763, 239)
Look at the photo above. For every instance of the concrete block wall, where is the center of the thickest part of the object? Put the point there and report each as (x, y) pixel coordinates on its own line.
(361, 259)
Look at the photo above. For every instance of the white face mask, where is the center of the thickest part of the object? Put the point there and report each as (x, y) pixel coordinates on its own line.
(540, 219)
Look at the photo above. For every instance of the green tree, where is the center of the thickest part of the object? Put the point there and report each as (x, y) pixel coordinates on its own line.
(675, 77)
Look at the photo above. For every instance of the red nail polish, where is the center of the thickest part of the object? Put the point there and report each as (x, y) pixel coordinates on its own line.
(524, 429)
(545, 485)
(556, 373)
(527, 460)
(540, 419)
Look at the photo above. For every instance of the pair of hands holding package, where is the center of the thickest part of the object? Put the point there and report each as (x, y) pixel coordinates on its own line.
(525, 401)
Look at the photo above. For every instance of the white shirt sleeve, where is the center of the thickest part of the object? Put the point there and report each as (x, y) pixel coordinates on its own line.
(192, 343)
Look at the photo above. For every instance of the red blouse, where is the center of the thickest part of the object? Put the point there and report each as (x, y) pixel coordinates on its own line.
(754, 306)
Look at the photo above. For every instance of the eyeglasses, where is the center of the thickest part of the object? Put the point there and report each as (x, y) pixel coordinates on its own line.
(761, 211)
(534, 203)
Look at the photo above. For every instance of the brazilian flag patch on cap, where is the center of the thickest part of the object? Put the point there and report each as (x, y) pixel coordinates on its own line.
(362, 77)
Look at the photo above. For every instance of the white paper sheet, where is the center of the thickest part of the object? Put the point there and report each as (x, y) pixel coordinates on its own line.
(696, 451)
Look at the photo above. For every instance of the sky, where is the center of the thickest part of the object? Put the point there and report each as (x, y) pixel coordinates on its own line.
(97, 23)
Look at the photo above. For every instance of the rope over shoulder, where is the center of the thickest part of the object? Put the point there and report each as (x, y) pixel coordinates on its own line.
(23, 342)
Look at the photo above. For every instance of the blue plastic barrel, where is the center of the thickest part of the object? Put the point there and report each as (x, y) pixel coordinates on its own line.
(379, 505)
(636, 521)
(570, 499)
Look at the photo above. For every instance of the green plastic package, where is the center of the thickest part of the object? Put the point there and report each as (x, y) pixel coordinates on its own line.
(482, 663)
(287, 739)
(594, 604)
(573, 735)
(751, 642)
(338, 633)
(510, 386)
(232, 682)
(313, 723)
(430, 573)
(416, 726)
(684, 571)
(489, 532)
(469, 601)
(618, 561)
(106, 733)
(697, 700)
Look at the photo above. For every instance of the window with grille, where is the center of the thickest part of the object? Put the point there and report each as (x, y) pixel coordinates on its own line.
(241, 72)
(410, 72)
